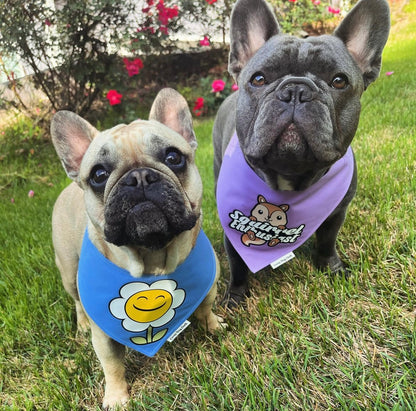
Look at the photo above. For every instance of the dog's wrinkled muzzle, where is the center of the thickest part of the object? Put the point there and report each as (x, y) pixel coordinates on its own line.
(146, 209)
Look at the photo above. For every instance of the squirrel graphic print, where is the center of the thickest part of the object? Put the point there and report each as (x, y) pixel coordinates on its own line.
(275, 215)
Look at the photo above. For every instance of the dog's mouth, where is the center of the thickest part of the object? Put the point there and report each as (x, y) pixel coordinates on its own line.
(291, 144)
(289, 154)
(290, 163)
(149, 215)
(148, 225)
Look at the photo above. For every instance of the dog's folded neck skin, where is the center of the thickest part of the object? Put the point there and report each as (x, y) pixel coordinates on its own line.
(139, 260)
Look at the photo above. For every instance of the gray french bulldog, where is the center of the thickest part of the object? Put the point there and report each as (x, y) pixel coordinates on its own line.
(297, 108)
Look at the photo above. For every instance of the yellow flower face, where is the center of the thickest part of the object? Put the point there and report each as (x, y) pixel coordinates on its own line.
(148, 305)
(142, 306)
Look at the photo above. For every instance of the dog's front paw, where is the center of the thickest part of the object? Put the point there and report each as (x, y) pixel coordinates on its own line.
(116, 398)
(332, 264)
(210, 321)
(216, 323)
(235, 296)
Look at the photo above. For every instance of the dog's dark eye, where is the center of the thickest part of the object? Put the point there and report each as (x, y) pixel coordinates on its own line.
(340, 81)
(258, 80)
(98, 178)
(174, 159)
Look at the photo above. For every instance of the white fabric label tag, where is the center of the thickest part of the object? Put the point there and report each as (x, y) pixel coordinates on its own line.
(179, 330)
(287, 257)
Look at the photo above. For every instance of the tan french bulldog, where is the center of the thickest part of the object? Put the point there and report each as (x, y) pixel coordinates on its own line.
(138, 192)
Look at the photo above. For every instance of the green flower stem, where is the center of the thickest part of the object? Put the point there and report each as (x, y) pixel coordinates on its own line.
(149, 334)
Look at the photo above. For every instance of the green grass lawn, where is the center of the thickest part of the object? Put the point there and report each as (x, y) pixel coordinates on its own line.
(305, 341)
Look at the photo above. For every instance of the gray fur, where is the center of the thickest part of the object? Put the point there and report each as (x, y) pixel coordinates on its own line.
(303, 95)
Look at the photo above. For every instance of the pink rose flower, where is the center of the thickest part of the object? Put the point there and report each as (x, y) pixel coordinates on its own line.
(218, 86)
(204, 41)
(166, 13)
(333, 10)
(133, 67)
(114, 97)
(199, 106)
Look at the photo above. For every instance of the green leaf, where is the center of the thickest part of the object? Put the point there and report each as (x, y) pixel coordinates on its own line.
(159, 335)
(139, 340)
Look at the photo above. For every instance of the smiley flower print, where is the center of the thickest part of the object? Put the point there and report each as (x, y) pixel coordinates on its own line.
(143, 307)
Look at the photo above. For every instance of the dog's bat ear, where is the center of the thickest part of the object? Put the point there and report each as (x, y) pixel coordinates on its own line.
(364, 32)
(252, 24)
(71, 136)
(171, 109)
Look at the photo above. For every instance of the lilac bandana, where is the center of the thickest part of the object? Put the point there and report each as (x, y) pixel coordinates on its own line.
(265, 225)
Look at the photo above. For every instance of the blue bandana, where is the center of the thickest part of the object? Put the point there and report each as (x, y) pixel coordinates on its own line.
(142, 313)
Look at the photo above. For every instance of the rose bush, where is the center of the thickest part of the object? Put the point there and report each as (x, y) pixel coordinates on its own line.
(73, 49)
(306, 16)
(70, 49)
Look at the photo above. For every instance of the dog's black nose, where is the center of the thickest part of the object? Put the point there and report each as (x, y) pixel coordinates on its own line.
(141, 177)
(296, 90)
